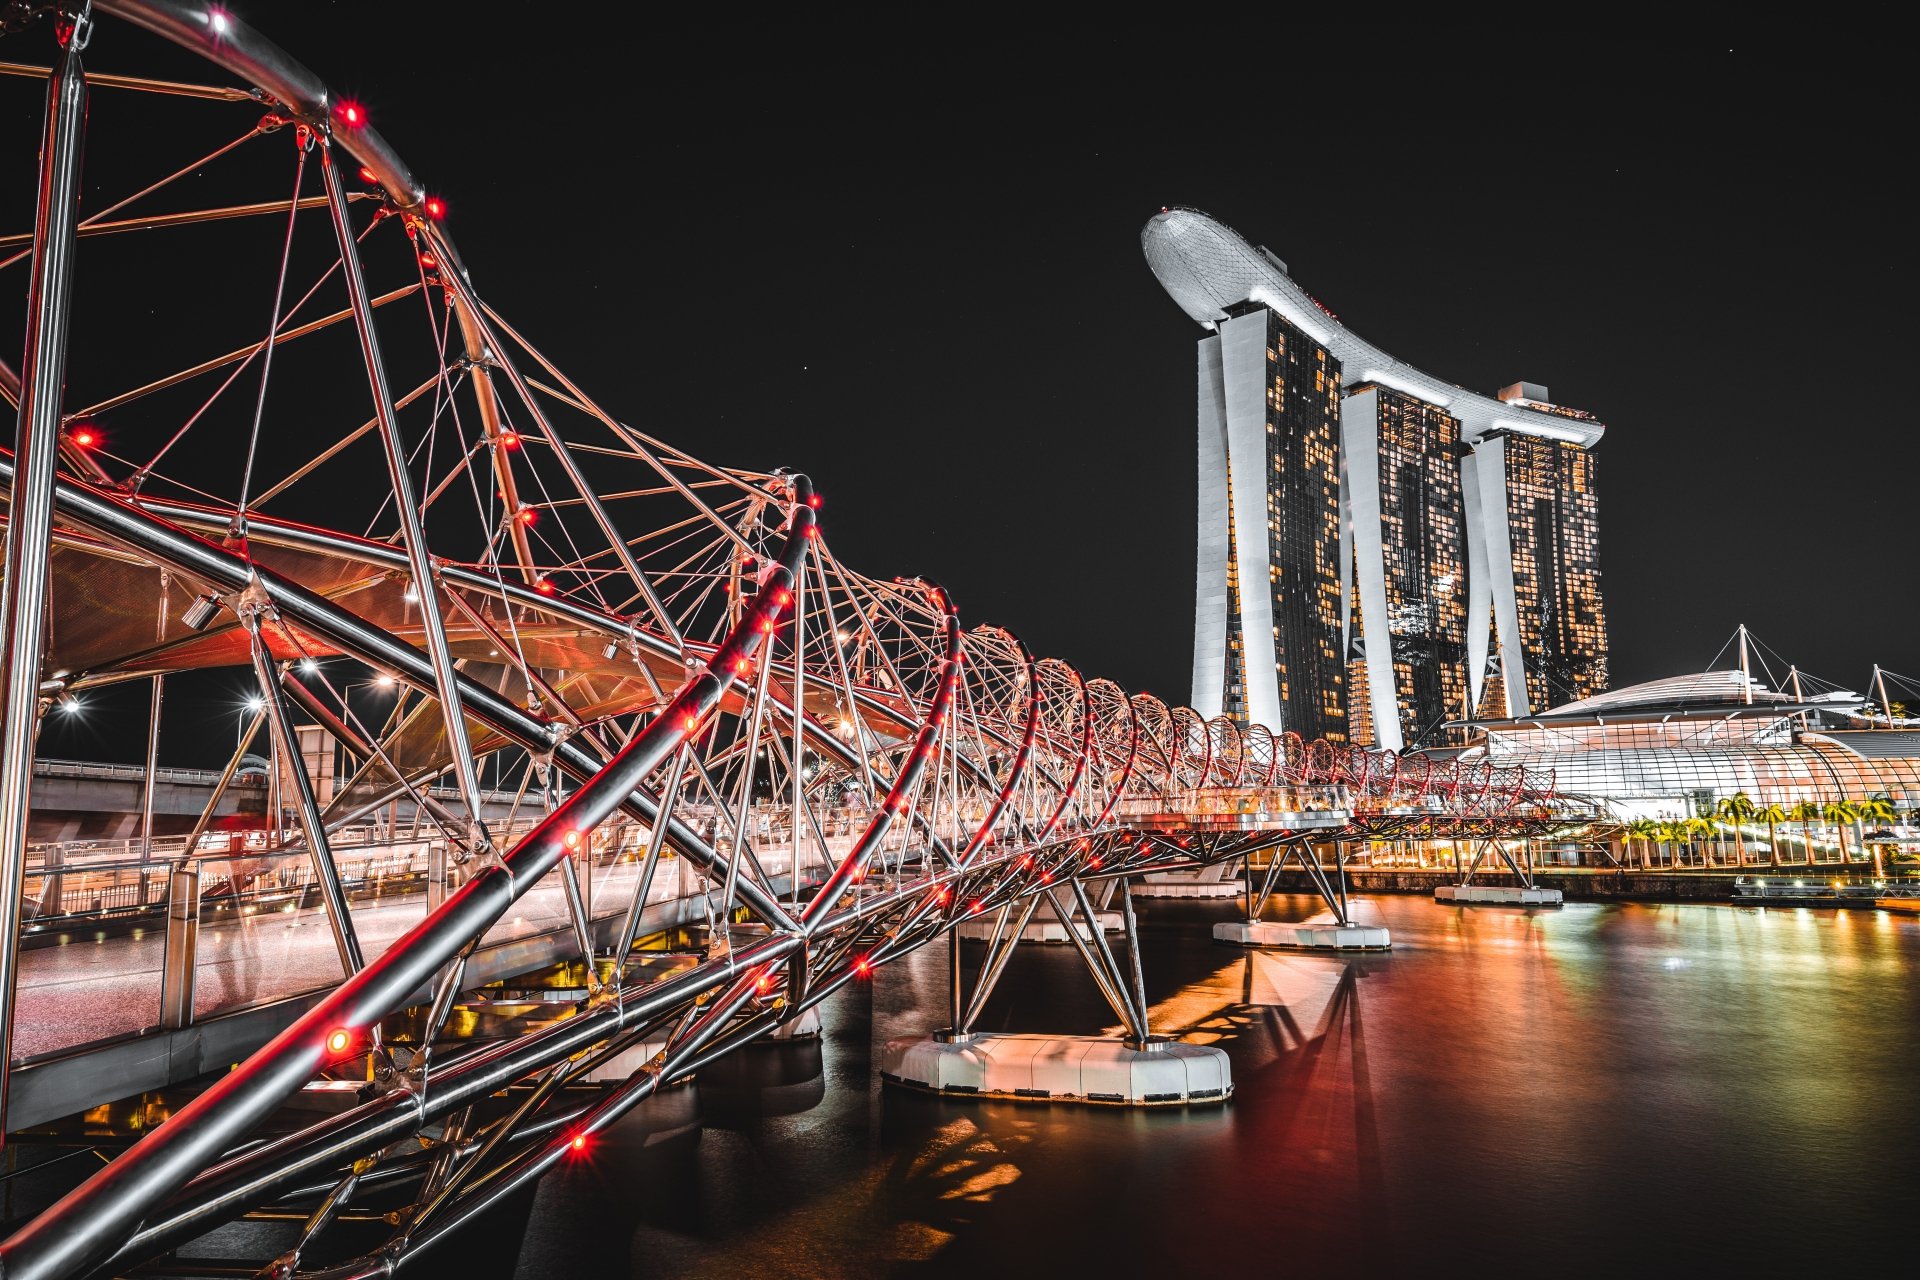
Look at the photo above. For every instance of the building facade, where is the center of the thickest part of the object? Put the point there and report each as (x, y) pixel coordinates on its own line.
(1461, 574)
(1270, 545)
(1553, 512)
(1404, 514)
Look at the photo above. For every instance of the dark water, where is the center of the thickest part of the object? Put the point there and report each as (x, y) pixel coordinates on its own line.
(1597, 1089)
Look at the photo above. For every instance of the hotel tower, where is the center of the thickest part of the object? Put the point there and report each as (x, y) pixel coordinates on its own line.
(1428, 554)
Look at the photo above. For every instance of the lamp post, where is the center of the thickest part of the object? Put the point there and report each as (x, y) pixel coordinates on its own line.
(250, 707)
(383, 682)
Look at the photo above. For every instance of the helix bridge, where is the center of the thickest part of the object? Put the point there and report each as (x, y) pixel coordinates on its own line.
(366, 470)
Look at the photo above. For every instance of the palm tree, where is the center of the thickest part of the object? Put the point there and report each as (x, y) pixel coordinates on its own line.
(1875, 809)
(1837, 814)
(1646, 831)
(1773, 815)
(1704, 813)
(1738, 808)
(1700, 829)
(1804, 813)
(1670, 834)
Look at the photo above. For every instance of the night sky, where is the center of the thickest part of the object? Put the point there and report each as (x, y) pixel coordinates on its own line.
(920, 281)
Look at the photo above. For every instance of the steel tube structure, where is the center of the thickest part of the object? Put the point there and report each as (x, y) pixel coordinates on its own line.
(934, 774)
(23, 596)
(105, 1211)
(426, 584)
(286, 751)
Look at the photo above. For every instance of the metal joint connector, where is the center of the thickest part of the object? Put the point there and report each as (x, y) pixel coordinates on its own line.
(253, 601)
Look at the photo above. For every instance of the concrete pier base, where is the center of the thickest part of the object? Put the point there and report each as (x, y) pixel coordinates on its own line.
(1044, 927)
(1497, 895)
(1177, 884)
(804, 1027)
(1317, 933)
(625, 1063)
(1079, 1069)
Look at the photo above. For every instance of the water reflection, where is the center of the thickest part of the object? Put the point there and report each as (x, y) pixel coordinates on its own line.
(1506, 1089)
(770, 1079)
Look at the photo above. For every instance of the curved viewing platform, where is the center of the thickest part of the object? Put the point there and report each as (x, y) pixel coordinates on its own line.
(1209, 809)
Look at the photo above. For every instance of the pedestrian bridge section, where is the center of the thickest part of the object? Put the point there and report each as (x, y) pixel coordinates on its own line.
(654, 650)
(140, 971)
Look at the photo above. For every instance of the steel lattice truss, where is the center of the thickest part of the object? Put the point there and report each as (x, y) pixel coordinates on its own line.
(674, 639)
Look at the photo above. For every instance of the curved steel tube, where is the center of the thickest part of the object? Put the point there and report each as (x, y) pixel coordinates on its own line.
(93, 1220)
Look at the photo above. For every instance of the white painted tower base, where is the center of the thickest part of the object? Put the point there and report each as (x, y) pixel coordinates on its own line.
(1316, 933)
(1497, 895)
(1044, 927)
(1091, 1069)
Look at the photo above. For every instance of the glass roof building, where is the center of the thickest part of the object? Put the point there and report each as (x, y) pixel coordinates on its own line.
(1671, 748)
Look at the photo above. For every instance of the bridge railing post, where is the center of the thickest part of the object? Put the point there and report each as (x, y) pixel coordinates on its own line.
(53, 885)
(183, 947)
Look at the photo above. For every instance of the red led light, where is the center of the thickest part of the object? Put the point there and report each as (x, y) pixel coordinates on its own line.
(863, 966)
(436, 208)
(339, 1040)
(689, 722)
(430, 262)
(368, 176)
(813, 531)
(526, 516)
(544, 586)
(572, 840)
(1094, 862)
(351, 114)
(973, 908)
(579, 1142)
(766, 625)
(85, 437)
(813, 500)
(741, 666)
(509, 440)
(783, 597)
(764, 982)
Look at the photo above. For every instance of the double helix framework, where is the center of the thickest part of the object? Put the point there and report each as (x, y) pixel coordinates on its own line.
(635, 634)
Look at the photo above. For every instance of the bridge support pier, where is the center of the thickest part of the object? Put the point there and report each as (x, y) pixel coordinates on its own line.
(1137, 1069)
(1047, 925)
(1204, 882)
(1335, 929)
(1524, 894)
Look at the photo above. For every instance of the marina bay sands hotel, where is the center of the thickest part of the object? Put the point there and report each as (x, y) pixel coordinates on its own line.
(1428, 554)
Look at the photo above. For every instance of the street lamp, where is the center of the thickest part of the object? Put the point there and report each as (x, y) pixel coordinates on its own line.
(383, 682)
(251, 707)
